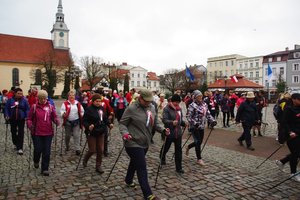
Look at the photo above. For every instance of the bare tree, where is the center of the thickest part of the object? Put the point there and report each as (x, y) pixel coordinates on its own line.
(173, 79)
(92, 69)
(49, 71)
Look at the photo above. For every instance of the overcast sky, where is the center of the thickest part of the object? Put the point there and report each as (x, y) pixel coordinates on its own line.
(160, 34)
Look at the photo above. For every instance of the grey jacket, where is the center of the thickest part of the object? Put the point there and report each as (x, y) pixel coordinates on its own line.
(169, 115)
(134, 123)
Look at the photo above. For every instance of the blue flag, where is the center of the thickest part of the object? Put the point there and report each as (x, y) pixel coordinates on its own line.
(189, 73)
(270, 73)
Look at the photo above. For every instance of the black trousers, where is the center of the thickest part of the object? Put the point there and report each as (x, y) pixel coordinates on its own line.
(17, 132)
(198, 135)
(224, 117)
(178, 151)
(213, 114)
(294, 146)
(119, 113)
(232, 111)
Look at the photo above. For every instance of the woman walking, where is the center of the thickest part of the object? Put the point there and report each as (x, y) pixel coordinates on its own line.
(39, 121)
(135, 127)
(120, 103)
(95, 122)
(196, 114)
(72, 112)
(225, 108)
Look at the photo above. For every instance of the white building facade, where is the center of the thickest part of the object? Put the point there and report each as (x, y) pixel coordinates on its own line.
(251, 68)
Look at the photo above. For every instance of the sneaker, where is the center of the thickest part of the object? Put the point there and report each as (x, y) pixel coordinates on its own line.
(78, 152)
(224, 126)
(250, 148)
(187, 149)
(296, 178)
(279, 164)
(131, 185)
(241, 142)
(36, 165)
(254, 134)
(100, 170)
(20, 152)
(201, 162)
(151, 197)
(106, 154)
(45, 173)
(259, 134)
(84, 162)
(180, 171)
(68, 149)
(163, 162)
(228, 125)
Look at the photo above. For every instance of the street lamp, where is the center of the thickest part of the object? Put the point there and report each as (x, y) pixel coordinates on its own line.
(147, 77)
(73, 74)
(225, 78)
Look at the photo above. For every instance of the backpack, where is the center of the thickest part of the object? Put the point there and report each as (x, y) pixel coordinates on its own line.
(275, 110)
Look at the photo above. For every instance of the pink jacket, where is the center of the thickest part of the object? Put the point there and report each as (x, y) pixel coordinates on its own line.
(239, 101)
(41, 117)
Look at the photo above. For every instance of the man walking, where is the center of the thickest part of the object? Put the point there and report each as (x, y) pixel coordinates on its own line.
(260, 104)
(247, 115)
(16, 110)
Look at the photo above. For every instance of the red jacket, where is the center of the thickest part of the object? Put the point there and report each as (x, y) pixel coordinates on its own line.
(68, 109)
(129, 97)
(10, 94)
(233, 99)
(32, 99)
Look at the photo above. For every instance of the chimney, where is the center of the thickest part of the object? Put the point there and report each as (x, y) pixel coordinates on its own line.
(297, 46)
(124, 64)
(286, 48)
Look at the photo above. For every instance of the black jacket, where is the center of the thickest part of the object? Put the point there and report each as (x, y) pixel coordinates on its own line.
(247, 113)
(92, 116)
(291, 120)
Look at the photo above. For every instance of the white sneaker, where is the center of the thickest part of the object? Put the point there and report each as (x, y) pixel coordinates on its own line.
(20, 152)
(296, 178)
(279, 164)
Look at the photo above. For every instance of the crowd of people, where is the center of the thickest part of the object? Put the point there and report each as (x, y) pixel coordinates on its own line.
(140, 114)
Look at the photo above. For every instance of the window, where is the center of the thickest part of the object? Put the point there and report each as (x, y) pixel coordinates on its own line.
(132, 83)
(15, 77)
(278, 58)
(269, 59)
(155, 84)
(138, 75)
(132, 75)
(144, 75)
(226, 72)
(221, 64)
(215, 64)
(296, 79)
(257, 82)
(138, 83)
(241, 73)
(226, 63)
(266, 71)
(251, 74)
(296, 67)
(221, 73)
(257, 74)
(246, 65)
(216, 73)
(144, 83)
(297, 55)
(231, 72)
(251, 64)
(232, 63)
(210, 65)
(61, 42)
(38, 76)
(210, 74)
(273, 71)
(149, 83)
(273, 83)
(257, 64)
(281, 71)
(246, 74)
(241, 65)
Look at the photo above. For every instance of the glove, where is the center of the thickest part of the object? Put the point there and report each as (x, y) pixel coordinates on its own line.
(31, 127)
(214, 123)
(57, 123)
(125, 137)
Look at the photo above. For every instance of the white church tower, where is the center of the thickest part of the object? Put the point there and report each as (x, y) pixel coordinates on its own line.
(60, 31)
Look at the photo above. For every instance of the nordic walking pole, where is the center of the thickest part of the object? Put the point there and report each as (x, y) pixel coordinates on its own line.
(6, 134)
(29, 142)
(81, 137)
(296, 174)
(55, 142)
(272, 153)
(61, 143)
(211, 128)
(115, 163)
(82, 152)
(161, 156)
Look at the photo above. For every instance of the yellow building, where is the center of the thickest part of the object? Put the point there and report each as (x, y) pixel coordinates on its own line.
(21, 58)
(218, 67)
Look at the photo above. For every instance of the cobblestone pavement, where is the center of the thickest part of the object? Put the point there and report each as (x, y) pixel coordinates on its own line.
(227, 175)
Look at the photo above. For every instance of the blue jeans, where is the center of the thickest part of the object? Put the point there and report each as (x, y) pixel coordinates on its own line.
(42, 145)
(138, 164)
(246, 134)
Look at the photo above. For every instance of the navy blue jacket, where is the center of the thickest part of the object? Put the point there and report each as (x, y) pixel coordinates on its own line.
(16, 111)
(247, 113)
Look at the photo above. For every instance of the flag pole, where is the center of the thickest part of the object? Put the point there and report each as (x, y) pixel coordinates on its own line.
(267, 103)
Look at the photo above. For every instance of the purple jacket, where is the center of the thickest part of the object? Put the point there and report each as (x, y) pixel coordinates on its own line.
(41, 117)
(225, 105)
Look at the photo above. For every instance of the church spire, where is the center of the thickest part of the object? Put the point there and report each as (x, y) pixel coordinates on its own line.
(60, 31)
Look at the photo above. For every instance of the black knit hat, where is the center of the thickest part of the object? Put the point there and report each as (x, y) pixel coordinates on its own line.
(296, 96)
(175, 97)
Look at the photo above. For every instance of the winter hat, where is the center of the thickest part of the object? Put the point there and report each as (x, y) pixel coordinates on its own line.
(175, 97)
(250, 95)
(197, 93)
(42, 93)
(115, 91)
(4, 91)
(146, 94)
(136, 95)
(296, 96)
